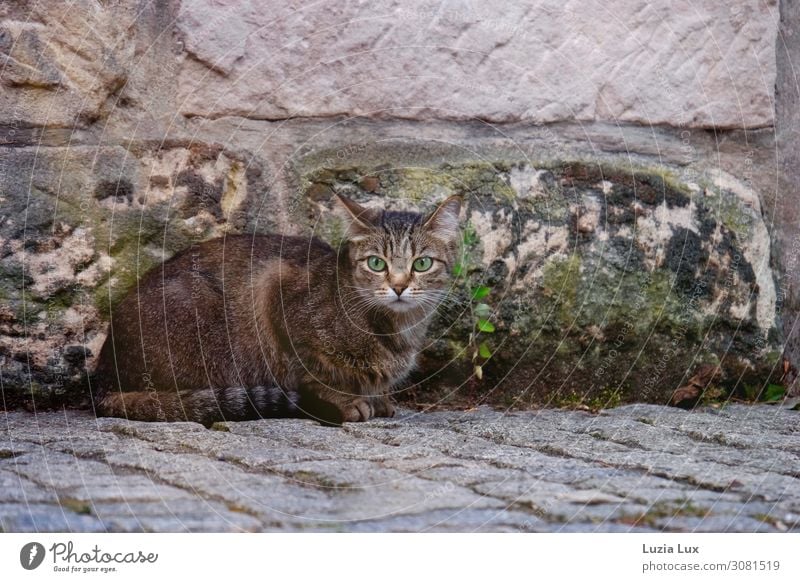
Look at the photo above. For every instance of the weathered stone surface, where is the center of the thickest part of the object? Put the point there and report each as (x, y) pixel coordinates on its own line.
(606, 281)
(786, 210)
(69, 65)
(447, 471)
(80, 225)
(687, 64)
(62, 63)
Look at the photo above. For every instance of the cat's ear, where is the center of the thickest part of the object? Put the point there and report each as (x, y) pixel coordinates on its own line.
(357, 217)
(443, 222)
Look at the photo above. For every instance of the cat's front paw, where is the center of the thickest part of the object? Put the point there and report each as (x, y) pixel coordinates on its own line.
(383, 407)
(357, 410)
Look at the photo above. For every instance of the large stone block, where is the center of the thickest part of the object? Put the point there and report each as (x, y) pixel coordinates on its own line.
(581, 281)
(679, 63)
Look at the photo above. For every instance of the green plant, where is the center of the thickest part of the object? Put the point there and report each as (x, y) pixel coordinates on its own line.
(480, 312)
(773, 393)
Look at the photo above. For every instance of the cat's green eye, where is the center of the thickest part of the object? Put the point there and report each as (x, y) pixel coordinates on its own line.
(376, 263)
(423, 264)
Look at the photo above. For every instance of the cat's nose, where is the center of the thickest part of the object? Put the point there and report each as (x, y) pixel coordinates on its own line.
(399, 289)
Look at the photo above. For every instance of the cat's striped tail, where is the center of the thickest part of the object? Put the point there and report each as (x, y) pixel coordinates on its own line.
(205, 406)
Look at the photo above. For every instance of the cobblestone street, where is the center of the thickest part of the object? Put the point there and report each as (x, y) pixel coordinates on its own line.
(634, 468)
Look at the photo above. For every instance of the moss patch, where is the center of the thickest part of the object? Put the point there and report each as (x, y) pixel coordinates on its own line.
(666, 511)
(76, 506)
(312, 479)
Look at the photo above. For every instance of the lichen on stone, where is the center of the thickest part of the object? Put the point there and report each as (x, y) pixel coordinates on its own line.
(618, 280)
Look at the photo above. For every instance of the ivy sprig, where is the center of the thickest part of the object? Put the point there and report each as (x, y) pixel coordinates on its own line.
(480, 314)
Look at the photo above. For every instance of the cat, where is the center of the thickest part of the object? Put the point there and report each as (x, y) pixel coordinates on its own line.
(256, 326)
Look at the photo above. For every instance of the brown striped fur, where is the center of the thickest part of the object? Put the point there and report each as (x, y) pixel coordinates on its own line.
(251, 326)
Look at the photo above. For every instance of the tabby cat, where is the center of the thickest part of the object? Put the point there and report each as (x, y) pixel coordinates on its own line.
(253, 326)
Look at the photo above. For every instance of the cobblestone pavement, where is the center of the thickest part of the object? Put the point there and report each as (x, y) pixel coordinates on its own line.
(634, 468)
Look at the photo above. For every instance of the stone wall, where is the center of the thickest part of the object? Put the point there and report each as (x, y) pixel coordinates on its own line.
(618, 161)
(786, 217)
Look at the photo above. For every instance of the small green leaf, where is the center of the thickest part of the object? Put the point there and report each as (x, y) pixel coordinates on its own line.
(480, 292)
(774, 393)
(458, 269)
(479, 372)
(483, 311)
(486, 326)
(484, 351)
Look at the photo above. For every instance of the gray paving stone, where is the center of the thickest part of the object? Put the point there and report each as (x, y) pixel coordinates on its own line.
(46, 518)
(89, 480)
(178, 515)
(18, 489)
(555, 502)
(715, 523)
(367, 491)
(443, 520)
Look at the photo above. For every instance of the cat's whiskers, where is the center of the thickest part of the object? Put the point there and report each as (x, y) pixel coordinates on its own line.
(355, 292)
(351, 296)
(360, 304)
